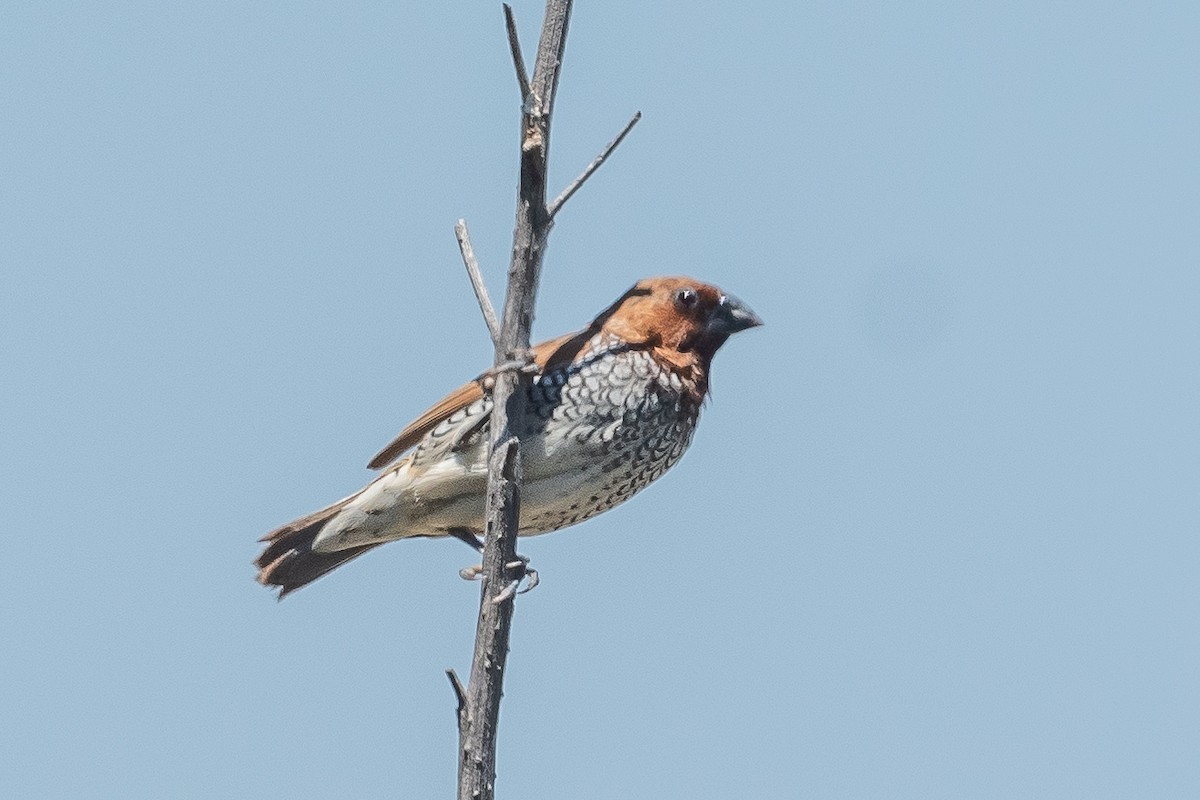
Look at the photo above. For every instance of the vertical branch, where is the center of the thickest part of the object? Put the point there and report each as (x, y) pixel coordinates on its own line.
(479, 717)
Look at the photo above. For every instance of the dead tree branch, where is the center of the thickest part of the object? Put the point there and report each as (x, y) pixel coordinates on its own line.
(479, 720)
(479, 702)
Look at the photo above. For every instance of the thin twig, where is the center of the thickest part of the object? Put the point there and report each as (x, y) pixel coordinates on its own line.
(558, 202)
(515, 46)
(481, 292)
(460, 692)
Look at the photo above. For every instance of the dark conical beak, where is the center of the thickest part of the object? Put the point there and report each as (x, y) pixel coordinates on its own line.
(731, 316)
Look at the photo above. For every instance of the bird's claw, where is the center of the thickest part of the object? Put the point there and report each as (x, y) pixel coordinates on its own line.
(520, 567)
(524, 573)
(513, 587)
(521, 361)
(532, 582)
(528, 573)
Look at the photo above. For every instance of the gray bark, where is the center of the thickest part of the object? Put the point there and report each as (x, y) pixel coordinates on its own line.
(479, 716)
(479, 701)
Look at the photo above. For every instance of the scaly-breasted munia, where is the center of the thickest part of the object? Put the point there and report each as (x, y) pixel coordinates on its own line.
(610, 409)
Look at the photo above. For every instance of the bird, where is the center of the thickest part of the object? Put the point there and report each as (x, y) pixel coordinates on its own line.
(609, 409)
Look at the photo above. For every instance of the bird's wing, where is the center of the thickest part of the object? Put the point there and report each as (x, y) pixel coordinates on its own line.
(552, 353)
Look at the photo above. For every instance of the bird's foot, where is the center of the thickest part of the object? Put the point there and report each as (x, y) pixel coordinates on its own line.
(519, 570)
(522, 361)
(523, 572)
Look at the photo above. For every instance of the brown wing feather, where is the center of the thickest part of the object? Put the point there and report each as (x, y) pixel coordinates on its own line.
(459, 398)
(553, 352)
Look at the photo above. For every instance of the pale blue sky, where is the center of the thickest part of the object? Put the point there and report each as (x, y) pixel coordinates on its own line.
(937, 535)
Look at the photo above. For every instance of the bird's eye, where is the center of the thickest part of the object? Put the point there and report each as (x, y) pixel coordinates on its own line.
(686, 298)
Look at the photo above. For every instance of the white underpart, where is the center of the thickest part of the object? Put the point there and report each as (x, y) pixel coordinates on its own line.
(619, 400)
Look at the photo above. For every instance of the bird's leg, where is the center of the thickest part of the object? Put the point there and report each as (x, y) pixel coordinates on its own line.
(520, 567)
(471, 573)
(467, 538)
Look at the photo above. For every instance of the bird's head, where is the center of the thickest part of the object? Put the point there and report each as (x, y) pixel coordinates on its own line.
(681, 318)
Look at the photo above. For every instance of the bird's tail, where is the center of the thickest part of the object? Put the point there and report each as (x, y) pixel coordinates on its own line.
(288, 561)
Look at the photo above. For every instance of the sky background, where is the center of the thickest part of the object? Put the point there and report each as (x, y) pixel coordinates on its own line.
(937, 536)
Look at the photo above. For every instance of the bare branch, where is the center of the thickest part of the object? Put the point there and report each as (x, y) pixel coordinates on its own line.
(508, 382)
(558, 202)
(478, 727)
(548, 67)
(481, 292)
(518, 60)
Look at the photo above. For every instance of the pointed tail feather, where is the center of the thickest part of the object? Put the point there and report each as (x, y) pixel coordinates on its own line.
(288, 560)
